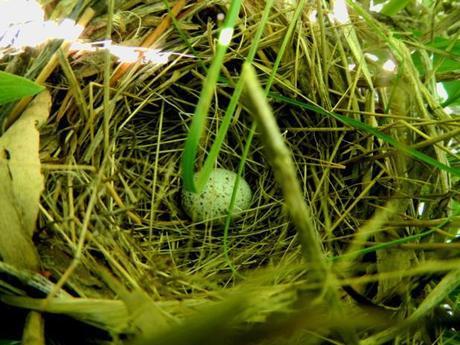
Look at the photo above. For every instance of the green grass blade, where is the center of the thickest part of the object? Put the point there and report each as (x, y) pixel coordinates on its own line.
(215, 148)
(370, 130)
(384, 245)
(13, 87)
(221, 134)
(398, 241)
(199, 119)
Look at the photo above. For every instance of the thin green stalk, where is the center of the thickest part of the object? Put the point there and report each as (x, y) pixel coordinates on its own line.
(199, 119)
(210, 161)
(280, 158)
(215, 148)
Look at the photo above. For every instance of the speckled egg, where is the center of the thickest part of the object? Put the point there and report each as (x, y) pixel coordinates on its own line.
(213, 201)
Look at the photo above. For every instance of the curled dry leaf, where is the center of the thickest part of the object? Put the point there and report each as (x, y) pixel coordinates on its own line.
(21, 184)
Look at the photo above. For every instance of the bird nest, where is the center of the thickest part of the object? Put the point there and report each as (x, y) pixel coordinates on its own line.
(371, 145)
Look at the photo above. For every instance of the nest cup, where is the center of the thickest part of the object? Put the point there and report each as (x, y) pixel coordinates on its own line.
(118, 176)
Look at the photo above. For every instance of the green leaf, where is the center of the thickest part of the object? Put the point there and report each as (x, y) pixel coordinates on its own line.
(417, 61)
(444, 64)
(446, 55)
(446, 44)
(453, 93)
(394, 6)
(13, 87)
(371, 130)
(456, 207)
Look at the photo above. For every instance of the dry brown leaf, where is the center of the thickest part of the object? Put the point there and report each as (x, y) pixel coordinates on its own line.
(21, 184)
